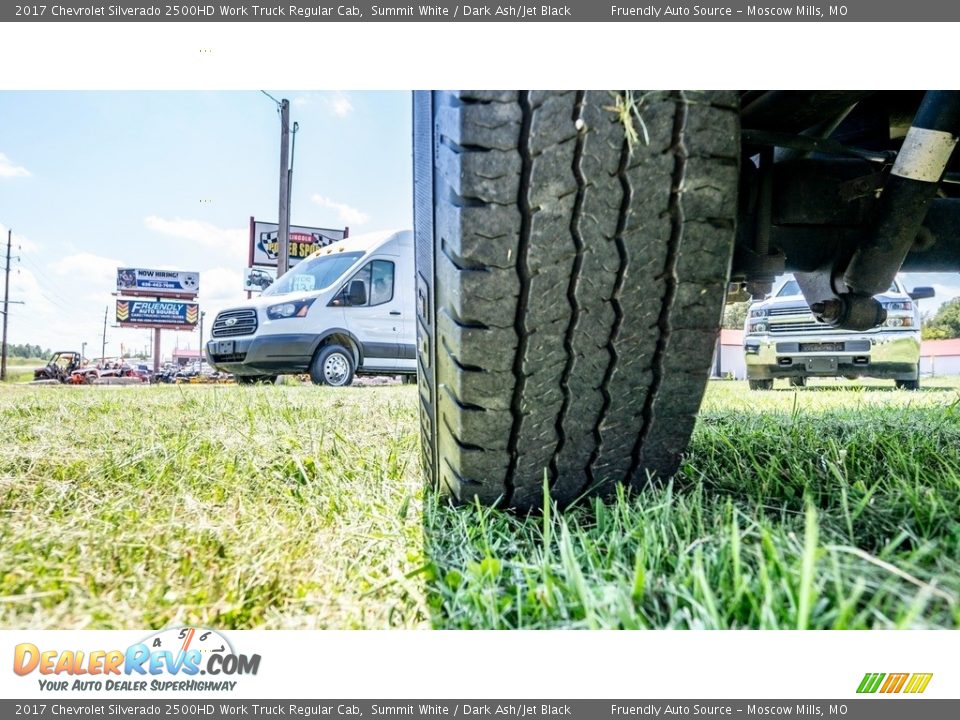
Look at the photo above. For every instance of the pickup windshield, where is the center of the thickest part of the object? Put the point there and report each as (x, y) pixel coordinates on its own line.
(313, 274)
(792, 288)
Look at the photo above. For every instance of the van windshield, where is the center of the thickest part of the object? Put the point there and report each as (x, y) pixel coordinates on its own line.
(313, 274)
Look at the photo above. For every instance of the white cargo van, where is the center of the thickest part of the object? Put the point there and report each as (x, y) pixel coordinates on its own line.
(346, 309)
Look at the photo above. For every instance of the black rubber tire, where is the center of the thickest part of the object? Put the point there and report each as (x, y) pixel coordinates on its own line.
(908, 384)
(761, 384)
(798, 382)
(569, 287)
(323, 373)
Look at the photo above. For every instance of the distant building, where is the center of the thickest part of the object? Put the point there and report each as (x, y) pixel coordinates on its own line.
(183, 357)
(940, 357)
(728, 360)
(937, 357)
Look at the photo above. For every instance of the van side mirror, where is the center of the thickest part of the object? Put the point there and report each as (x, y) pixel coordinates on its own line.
(921, 293)
(358, 293)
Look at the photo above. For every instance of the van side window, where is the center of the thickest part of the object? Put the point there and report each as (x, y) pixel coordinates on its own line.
(382, 289)
(371, 285)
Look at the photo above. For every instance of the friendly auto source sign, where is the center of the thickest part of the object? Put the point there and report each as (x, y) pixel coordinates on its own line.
(172, 314)
(157, 283)
(265, 243)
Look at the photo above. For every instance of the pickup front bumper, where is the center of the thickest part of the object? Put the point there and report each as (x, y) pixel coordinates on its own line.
(892, 354)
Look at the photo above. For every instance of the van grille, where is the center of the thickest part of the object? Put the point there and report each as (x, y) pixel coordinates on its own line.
(232, 323)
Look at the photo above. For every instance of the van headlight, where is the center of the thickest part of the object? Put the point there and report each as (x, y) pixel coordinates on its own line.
(294, 308)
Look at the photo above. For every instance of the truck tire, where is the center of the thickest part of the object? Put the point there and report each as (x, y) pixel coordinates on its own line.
(760, 384)
(798, 382)
(570, 284)
(332, 365)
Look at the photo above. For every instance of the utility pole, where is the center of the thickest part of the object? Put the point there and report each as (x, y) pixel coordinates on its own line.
(6, 310)
(293, 157)
(283, 239)
(83, 351)
(202, 313)
(103, 347)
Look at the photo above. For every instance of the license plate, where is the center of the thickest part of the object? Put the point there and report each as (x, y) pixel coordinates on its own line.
(822, 347)
(223, 347)
(821, 364)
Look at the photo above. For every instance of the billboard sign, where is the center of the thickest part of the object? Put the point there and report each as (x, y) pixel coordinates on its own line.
(164, 314)
(139, 282)
(258, 279)
(303, 241)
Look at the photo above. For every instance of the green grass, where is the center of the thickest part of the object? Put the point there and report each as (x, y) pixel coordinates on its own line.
(20, 370)
(289, 507)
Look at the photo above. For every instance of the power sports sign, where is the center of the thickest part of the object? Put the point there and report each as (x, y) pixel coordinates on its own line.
(265, 242)
(163, 314)
(138, 282)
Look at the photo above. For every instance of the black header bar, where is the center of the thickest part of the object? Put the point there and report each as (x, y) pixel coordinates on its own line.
(480, 11)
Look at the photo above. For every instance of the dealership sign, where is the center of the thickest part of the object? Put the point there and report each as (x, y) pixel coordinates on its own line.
(171, 314)
(157, 283)
(265, 243)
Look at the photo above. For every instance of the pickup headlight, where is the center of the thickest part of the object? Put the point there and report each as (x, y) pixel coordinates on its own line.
(899, 322)
(759, 312)
(294, 308)
(757, 327)
(899, 305)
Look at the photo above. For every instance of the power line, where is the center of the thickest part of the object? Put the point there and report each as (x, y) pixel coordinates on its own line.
(272, 98)
(35, 267)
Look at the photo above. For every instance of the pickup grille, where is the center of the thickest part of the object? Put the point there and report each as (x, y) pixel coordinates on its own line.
(232, 323)
(796, 310)
(800, 325)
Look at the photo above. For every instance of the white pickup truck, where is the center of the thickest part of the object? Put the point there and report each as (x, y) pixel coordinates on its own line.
(783, 339)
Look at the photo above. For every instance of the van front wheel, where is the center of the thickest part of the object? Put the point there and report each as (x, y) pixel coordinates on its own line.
(333, 365)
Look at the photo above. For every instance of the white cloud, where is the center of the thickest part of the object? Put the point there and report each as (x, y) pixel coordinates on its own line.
(335, 103)
(219, 284)
(8, 169)
(234, 241)
(346, 214)
(96, 271)
(340, 105)
(199, 231)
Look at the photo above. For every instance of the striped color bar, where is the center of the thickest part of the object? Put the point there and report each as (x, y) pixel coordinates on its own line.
(918, 683)
(870, 683)
(894, 683)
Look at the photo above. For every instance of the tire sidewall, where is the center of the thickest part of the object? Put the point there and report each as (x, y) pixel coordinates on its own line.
(317, 374)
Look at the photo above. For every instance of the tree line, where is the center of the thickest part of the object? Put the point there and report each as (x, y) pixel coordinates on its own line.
(945, 324)
(27, 351)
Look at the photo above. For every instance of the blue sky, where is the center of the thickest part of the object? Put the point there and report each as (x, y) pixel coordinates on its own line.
(90, 181)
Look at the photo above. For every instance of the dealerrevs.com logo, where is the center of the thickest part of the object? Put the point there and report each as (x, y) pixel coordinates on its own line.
(169, 660)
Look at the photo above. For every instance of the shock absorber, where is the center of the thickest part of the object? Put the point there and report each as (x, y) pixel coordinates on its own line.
(907, 194)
